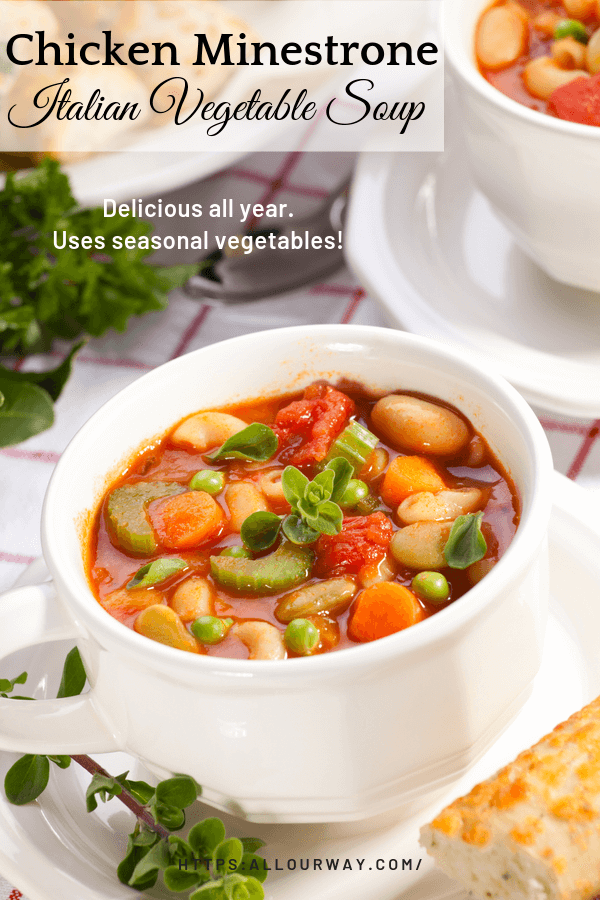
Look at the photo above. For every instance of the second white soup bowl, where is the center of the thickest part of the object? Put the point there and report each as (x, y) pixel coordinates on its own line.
(541, 174)
(344, 735)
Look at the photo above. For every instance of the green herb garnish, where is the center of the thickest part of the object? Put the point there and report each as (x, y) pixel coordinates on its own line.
(466, 543)
(218, 867)
(48, 293)
(156, 571)
(260, 530)
(257, 442)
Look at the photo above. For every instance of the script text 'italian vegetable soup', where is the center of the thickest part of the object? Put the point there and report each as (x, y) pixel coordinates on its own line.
(544, 54)
(298, 525)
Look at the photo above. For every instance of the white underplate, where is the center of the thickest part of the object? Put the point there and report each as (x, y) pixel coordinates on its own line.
(52, 848)
(150, 164)
(428, 247)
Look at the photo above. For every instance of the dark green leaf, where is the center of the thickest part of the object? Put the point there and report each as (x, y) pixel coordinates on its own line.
(206, 835)
(26, 779)
(157, 858)
(213, 890)
(466, 544)
(7, 685)
(156, 571)
(321, 487)
(240, 887)
(254, 865)
(343, 474)
(177, 879)
(227, 856)
(257, 442)
(63, 762)
(251, 844)
(297, 532)
(52, 381)
(178, 791)
(260, 530)
(139, 790)
(172, 817)
(26, 410)
(294, 484)
(105, 787)
(144, 837)
(329, 519)
(73, 677)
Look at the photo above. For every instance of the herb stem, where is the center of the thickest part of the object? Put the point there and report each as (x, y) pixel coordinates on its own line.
(94, 768)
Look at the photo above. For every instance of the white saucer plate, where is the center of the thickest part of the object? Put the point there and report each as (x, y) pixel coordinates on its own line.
(52, 848)
(427, 245)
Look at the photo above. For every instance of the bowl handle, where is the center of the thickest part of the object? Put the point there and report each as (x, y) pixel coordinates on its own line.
(31, 615)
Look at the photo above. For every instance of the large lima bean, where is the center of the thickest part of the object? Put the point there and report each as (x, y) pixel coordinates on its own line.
(264, 641)
(193, 598)
(443, 506)
(421, 546)
(208, 429)
(501, 35)
(161, 623)
(331, 596)
(419, 426)
(243, 498)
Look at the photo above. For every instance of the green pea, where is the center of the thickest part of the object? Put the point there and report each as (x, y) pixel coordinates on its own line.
(208, 481)
(237, 552)
(210, 629)
(301, 636)
(571, 28)
(354, 493)
(431, 586)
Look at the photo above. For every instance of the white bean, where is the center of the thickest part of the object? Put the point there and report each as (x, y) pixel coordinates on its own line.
(501, 36)
(375, 465)
(129, 602)
(375, 573)
(331, 596)
(569, 53)
(193, 598)
(421, 546)
(417, 425)
(264, 641)
(443, 506)
(207, 429)
(592, 53)
(243, 498)
(542, 76)
(162, 624)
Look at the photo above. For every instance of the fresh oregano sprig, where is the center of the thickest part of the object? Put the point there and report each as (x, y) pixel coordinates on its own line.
(217, 867)
(314, 508)
(466, 543)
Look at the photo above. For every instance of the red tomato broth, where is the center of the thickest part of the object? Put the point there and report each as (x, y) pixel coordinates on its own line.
(110, 567)
(509, 79)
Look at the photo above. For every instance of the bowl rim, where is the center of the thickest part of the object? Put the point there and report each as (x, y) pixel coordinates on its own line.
(463, 64)
(423, 636)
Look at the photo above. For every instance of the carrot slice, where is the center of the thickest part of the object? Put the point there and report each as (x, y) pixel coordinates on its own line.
(185, 520)
(408, 475)
(383, 609)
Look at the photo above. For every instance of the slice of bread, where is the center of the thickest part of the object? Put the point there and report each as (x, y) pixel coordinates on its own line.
(533, 830)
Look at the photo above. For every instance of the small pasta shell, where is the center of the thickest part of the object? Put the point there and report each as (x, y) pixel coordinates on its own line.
(592, 53)
(542, 76)
(569, 53)
(501, 36)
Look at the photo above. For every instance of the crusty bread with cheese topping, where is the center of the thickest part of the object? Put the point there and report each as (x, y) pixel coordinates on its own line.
(533, 830)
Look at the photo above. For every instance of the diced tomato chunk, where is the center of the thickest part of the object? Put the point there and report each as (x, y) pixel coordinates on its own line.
(362, 540)
(317, 420)
(578, 101)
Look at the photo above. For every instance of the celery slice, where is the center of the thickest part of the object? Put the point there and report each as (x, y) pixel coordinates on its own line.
(286, 567)
(126, 513)
(355, 443)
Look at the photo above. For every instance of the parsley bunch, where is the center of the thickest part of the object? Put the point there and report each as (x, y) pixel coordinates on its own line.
(47, 293)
